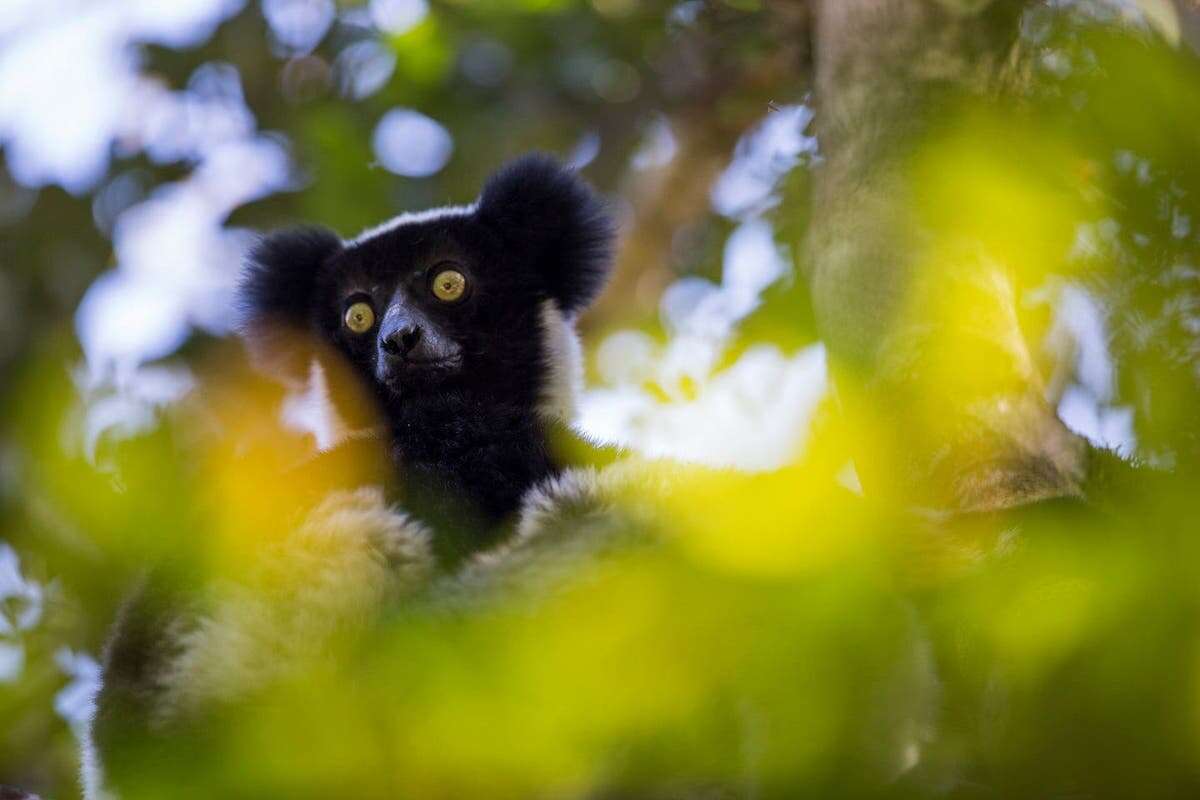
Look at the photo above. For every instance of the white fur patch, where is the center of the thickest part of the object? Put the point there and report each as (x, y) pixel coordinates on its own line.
(566, 524)
(312, 411)
(411, 218)
(564, 355)
(631, 490)
(544, 505)
(332, 575)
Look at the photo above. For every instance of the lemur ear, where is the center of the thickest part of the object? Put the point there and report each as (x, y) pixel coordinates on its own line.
(276, 294)
(549, 215)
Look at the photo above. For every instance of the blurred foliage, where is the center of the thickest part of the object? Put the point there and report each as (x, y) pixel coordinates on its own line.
(770, 635)
(1140, 252)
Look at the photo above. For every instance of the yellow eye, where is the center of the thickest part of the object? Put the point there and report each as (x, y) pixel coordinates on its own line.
(359, 317)
(449, 285)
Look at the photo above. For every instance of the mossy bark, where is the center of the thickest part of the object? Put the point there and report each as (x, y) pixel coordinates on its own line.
(983, 438)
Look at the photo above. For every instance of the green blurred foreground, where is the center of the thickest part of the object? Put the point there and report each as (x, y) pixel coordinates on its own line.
(770, 635)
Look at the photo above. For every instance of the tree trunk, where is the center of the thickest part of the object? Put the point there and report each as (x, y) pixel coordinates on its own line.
(975, 436)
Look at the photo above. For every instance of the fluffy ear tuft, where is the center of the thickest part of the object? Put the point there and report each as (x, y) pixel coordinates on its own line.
(281, 271)
(275, 297)
(549, 215)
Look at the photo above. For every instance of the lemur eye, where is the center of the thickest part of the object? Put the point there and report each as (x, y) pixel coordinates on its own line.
(449, 285)
(359, 317)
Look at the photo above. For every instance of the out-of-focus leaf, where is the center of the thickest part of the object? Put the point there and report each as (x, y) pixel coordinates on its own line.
(1163, 16)
(423, 54)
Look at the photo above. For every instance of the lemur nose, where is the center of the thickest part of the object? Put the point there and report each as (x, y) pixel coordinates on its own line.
(401, 341)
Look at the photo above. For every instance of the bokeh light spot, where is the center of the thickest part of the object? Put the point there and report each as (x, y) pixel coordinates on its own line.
(411, 144)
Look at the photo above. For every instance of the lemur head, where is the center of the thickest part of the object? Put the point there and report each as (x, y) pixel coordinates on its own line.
(477, 298)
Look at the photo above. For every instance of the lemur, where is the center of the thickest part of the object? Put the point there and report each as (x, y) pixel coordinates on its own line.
(460, 322)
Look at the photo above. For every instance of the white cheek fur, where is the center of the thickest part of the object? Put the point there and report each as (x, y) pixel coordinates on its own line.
(564, 355)
(312, 411)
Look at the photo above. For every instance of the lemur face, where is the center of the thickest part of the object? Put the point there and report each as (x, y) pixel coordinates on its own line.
(472, 298)
(432, 302)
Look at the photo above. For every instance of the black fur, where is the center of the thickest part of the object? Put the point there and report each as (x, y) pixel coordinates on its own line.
(465, 433)
(276, 297)
(553, 219)
(278, 280)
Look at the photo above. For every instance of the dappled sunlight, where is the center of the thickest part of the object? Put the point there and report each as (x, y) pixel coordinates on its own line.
(1012, 191)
